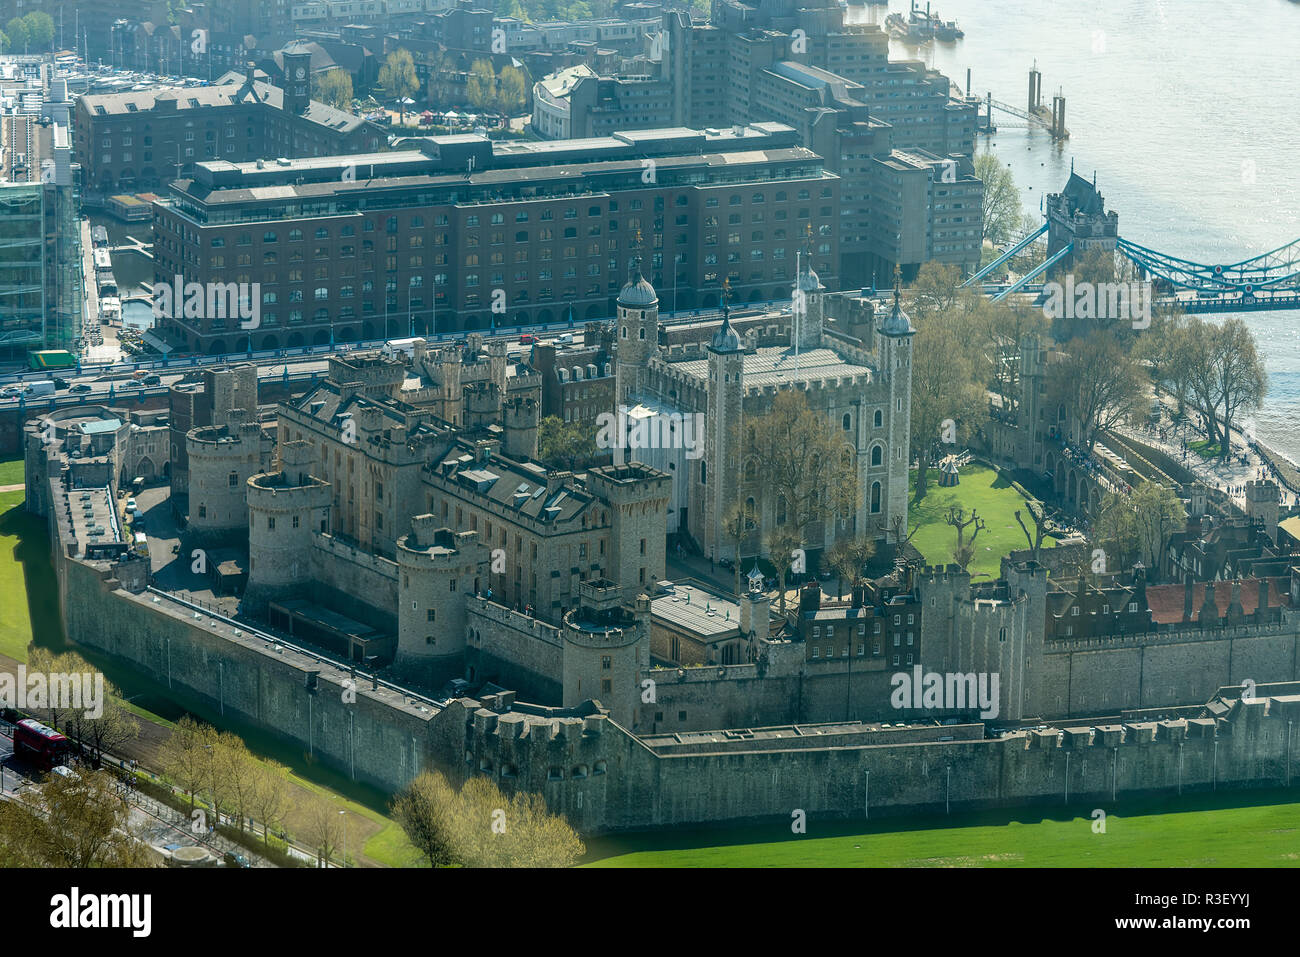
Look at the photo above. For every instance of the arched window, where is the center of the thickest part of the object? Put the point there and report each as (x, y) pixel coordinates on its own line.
(875, 498)
(704, 474)
(847, 422)
(875, 454)
(751, 471)
(749, 508)
(879, 419)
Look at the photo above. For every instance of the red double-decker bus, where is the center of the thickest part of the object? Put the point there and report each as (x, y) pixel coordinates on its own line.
(39, 745)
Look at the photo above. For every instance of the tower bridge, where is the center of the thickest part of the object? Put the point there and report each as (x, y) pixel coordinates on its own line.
(1077, 221)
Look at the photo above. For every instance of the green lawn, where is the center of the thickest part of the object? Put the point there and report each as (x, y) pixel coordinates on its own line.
(1200, 831)
(11, 472)
(1205, 448)
(982, 489)
(28, 592)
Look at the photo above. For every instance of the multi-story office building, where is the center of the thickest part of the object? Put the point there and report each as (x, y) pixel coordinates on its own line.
(576, 103)
(468, 233)
(143, 139)
(41, 272)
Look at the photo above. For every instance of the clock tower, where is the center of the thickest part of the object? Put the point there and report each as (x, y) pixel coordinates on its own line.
(297, 78)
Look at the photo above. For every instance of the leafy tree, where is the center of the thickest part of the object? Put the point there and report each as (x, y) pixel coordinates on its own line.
(795, 460)
(1098, 383)
(4, 42)
(183, 756)
(1000, 208)
(426, 812)
(512, 91)
(270, 793)
(397, 77)
(566, 445)
(1157, 514)
(19, 35)
(40, 30)
(481, 827)
(1116, 531)
(1224, 373)
(1167, 350)
(947, 398)
(114, 727)
(71, 822)
(333, 87)
(480, 90)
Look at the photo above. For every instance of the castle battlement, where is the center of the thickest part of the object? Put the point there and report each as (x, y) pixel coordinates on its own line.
(517, 621)
(1176, 634)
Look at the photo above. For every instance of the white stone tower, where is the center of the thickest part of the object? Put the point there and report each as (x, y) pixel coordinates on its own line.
(638, 335)
(720, 467)
(896, 367)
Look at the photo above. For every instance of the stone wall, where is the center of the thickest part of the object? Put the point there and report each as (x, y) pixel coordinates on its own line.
(514, 651)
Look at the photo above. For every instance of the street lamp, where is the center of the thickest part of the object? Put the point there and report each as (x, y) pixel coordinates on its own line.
(345, 837)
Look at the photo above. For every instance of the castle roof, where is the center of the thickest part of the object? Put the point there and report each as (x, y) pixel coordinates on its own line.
(638, 293)
(897, 324)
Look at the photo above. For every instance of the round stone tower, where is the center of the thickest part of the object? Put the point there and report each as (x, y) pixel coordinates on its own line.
(222, 459)
(285, 509)
(606, 644)
(438, 570)
(638, 335)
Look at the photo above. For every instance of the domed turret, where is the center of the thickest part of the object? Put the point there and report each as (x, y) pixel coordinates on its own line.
(897, 324)
(638, 293)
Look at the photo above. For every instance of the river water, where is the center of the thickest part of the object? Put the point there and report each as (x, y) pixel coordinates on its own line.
(1185, 109)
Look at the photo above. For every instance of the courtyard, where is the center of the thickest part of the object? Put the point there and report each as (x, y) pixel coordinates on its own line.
(991, 495)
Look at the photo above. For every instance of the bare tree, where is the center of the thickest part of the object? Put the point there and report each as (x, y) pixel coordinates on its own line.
(965, 550)
(781, 543)
(737, 524)
(1042, 526)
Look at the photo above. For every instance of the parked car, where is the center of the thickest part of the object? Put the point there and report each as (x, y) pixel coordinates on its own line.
(231, 859)
(130, 505)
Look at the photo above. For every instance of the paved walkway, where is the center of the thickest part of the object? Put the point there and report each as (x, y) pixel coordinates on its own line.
(1228, 475)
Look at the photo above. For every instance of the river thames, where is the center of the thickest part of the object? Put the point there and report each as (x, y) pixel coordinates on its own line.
(1185, 109)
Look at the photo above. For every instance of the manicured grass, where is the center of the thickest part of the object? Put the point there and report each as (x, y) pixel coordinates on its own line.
(11, 472)
(1205, 448)
(1200, 831)
(982, 489)
(28, 591)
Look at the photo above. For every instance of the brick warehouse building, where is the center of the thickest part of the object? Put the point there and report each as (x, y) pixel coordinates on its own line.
(143, 139)
(464, 233)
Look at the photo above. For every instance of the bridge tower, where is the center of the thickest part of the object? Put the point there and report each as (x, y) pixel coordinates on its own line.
(1078, 215)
